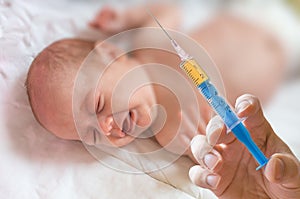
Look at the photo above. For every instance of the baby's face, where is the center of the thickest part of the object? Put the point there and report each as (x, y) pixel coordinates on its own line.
(103, 104)
(117, 104)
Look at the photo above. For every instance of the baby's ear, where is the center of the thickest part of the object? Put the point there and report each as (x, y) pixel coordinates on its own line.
(108, 51)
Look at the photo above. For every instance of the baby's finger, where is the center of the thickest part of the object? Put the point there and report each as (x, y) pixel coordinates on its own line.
(216, 132)
(204, 177)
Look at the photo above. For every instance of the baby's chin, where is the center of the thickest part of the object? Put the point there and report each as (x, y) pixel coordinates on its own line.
(120, 142)
(110, 141)
(65, 134)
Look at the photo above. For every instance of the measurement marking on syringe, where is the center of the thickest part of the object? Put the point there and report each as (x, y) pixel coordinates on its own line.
(210, 101)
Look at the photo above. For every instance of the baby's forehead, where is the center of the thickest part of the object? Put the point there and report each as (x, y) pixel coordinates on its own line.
(72, 64)
(65, 56)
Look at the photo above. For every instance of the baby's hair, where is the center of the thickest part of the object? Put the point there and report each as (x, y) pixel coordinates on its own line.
(58, 60)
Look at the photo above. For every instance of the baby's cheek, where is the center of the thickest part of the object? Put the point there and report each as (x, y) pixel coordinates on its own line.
(145, 121)
(175, 143)
(163, 138)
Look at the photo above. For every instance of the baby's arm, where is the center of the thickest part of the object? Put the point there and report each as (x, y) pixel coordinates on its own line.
(112, 20)
(228, 169)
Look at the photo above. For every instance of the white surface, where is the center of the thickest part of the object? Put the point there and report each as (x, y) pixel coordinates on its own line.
(35, 164)
(284, 114)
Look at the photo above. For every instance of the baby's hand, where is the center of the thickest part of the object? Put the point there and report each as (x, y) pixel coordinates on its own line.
(110, 21)
(228, 169)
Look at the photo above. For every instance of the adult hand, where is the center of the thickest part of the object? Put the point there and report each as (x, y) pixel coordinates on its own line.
(228, 169)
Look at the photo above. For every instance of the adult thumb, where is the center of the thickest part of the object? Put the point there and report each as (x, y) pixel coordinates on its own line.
(283, 169)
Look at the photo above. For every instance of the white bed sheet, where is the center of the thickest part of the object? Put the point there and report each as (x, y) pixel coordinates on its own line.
(36, 164)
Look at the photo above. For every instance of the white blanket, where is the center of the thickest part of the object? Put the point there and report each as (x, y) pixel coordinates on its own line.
(36, 164)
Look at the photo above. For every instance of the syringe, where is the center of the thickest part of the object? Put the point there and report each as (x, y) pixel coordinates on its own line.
(218, 103)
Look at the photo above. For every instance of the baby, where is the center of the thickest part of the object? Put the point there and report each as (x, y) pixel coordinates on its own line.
(244, 54)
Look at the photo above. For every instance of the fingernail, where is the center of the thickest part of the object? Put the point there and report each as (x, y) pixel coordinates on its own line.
(213, 180)
(194, 140)
(211, 160)
(242, 106)
(214, 125)
(192, 172)
(279, 169)
(214, 128)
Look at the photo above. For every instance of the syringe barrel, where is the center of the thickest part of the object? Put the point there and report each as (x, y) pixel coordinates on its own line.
(209, 92)
(219, 104)
(221, 107)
